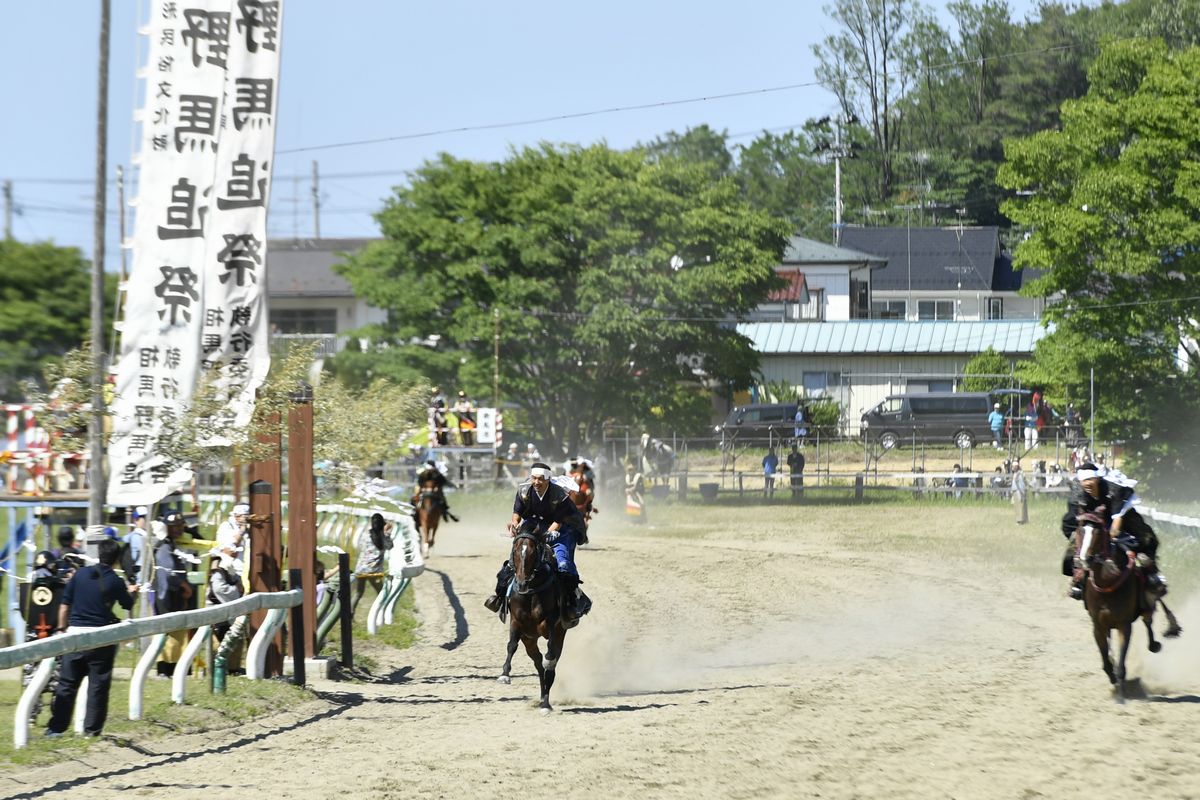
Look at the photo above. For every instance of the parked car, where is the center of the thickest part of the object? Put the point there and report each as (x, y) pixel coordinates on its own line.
(958, 417)
(758, 422)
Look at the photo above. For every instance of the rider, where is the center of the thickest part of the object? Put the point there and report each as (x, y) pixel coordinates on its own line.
(430, 472)
(550, 506)
(1109, 494)
(585, 495)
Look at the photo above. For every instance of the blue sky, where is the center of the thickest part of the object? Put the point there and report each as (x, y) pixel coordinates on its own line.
(366, 69)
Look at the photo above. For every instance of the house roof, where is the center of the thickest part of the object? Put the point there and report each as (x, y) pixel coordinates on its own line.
(796, 290)
(870, 337)
(810, 251)
(304, 267)
(936, 258)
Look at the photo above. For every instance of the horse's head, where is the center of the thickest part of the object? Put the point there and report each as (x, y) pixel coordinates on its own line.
(528, 555)
(1094, 541)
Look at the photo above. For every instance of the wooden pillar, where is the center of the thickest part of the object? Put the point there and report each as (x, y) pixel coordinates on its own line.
(266, 552)
(302, 509)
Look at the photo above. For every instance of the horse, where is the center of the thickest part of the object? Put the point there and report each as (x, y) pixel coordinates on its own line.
(1113, 598)
(656, 459)
(535, 610)
(429, 514)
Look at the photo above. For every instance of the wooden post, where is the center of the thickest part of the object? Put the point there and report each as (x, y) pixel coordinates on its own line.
(302, 509)
(347, 617)
(266, 552)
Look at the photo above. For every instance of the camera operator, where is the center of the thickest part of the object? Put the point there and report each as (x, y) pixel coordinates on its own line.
(86, 604)
(231, 536)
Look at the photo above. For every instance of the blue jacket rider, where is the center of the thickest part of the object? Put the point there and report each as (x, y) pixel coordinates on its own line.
(551, 507)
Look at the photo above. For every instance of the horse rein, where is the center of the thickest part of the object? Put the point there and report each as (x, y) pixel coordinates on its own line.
(1090, 559)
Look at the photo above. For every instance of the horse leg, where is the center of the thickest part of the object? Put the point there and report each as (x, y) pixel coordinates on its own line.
(1173, 628)
(513, 638)
(554, 646)
(1123, 637)
(1154, 646)
(535, 655)
(433, 526)
(1101, 635)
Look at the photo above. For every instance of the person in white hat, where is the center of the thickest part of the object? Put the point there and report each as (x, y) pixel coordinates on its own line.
(996, 423)
(231, 536)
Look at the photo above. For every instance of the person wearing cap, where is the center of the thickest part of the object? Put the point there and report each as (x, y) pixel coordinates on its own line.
(549, 506)
(996, 423)
(1110, 495)
(86, 604)
(231, 536)
(431, 474)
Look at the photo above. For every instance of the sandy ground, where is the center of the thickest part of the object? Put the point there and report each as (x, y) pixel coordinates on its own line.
(815, 653)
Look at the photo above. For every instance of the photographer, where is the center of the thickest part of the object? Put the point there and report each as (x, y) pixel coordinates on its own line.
(86, 604)
(231, 536)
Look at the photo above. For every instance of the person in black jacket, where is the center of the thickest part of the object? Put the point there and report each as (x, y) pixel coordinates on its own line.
(1110, 495)
(87, 603)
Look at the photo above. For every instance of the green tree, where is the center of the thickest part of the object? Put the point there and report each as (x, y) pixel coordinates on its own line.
(699, 145)
(981, 372)
(1115, 225)
(44, 309)
(568, 253)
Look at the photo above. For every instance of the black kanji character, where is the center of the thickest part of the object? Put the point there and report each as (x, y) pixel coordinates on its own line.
(240, 315)
(214, 317)
(212, 28)
(148, 357)
(241, 341)
(146, 386)
(171, 358)
(143, 416)
(178, 291)
(211, 343)
(130, 474)
(197, 115)
(241, 257)
(257, 14)
(252, 96)
(242, 190)
(184, 221)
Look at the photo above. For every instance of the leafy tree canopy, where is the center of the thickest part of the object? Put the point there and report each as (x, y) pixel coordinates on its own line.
(567, 252)
(44, 309)
(1115, 225)
(982, 372)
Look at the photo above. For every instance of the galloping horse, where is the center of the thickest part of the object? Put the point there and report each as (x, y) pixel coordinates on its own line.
(534, 609)
(1113, 597)
(429, 514)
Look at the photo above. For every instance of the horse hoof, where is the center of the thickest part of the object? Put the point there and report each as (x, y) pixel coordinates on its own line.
(1155, 647)
(545, 711)
(504, 679)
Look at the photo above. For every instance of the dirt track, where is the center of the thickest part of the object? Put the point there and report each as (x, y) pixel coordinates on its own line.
(821, 654)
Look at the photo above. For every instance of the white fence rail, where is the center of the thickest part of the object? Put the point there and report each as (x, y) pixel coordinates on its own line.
(46, 650)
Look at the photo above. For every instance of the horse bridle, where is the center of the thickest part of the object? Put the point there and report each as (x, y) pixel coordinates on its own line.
(539, 545)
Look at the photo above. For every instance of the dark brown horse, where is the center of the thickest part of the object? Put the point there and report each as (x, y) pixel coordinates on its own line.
(429, 514)
(534, 609)
(1115, 596)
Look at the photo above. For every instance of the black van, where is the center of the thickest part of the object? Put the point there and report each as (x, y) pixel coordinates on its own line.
(759, 422)
(959, 417)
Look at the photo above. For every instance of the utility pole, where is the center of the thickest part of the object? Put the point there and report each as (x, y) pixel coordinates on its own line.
(837, 151)
(7, 209)
(96, 425)
(496, 359)
(121, 217)
(316, 202)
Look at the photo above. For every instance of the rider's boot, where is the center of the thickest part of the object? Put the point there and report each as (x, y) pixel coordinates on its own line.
(496, 601)
(1156, 582)
(569, 587)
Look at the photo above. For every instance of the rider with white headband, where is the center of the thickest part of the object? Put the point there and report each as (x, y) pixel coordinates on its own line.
(1109, 494)
(549, 504)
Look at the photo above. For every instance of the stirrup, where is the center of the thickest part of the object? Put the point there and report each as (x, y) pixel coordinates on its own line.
(492, 603)
(1075, 592)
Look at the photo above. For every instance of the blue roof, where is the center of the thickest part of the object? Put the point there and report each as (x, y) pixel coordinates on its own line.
(868, 337)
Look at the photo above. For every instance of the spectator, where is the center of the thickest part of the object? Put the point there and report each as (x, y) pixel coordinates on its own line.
(1019, 492)
(801, 425)
(996, 423)
(437, 410)
(171, 588)
(958, 481)
(635, 493)
(770, 464)
(1031, 426)
(795, 462)
(68, 555)
(373, 545)
(231, 536)
(531, 453)
(135, 543)
(998, 481)
(464, 410)
(87, 604)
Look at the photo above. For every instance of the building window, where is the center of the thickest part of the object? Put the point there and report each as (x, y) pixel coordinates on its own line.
(821, 384)
(995, 308)
(304, 320)
(812, 311)
(888, 309)
(935, 309)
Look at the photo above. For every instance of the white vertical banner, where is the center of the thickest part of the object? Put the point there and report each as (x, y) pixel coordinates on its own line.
(235, 339)
(184, 80)
(485, 420)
